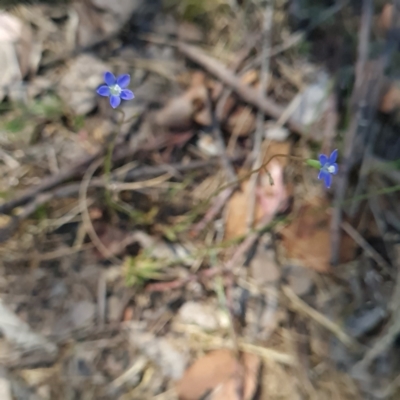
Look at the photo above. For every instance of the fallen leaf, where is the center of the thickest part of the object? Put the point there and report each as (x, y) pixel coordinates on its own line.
(270, 199)
(385, 19)
(180, 112)
(243, 384)
(390, 101)
(222, 375)
(241, 122)
(307, 237)
(206, 374)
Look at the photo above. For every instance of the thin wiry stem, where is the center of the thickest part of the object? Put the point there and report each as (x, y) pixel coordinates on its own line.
(108, 159)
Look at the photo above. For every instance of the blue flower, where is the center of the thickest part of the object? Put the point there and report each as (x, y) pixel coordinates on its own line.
(328, 167)
(115, 89)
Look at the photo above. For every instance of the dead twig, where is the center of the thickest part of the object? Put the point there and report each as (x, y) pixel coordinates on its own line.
(230, 79)
(105, 252)
(299, 305)
(366, 246)
(260, 128)
(218, 203)
(121, 152)
(384, 343)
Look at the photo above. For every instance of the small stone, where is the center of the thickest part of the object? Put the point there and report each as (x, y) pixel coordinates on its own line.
(200, 314)
(82, 314)
(278, 133)
(300, 280)
(5, 389)
(263, 266)
(159, 350)
(207, 145)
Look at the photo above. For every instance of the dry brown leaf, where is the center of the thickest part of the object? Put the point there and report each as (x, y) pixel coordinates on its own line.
(273, 147)
(205, 374)
(177, 113)
(180, 112)
(241, 122)
(251, 364)
(229, 390)
(222, 374)
(243, 384)
(390, 101)
(385, 19)
(307, 237)
(270, 198)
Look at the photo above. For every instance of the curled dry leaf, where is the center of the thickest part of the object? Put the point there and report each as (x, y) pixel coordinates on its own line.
(222, 375)
(271, 199)
(390, 100)
(241, 122)
(180, 112)
(177, 114)
(307, 237)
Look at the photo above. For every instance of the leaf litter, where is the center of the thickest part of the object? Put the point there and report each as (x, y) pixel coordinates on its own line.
(133, 265)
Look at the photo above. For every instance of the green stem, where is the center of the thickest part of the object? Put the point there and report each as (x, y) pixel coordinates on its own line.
(108, 159)
(255, 171)
(366, 196)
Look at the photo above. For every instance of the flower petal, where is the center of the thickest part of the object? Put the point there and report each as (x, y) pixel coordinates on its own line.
(127, 94)
(323, 159)
(336, 168)
(103, 90)
(322, 174)
(328, 180)
(115, 101)
(109, 78)
(123, 81)
(333, 156)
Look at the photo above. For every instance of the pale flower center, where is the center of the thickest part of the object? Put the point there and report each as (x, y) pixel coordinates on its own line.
(331, 169)
(115, 90)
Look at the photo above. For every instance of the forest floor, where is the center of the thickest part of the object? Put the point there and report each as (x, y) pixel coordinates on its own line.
(180, 245)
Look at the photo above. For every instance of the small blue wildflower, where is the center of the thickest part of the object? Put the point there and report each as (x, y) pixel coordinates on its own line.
(115, 89)
(328, 167)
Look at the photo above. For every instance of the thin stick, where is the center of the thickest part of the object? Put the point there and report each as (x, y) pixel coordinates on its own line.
(230, 79)
(366, 246)
(299, 305)
(106, 253)
(264, 73)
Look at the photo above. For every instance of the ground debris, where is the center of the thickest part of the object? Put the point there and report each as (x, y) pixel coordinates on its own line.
(189, 225)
